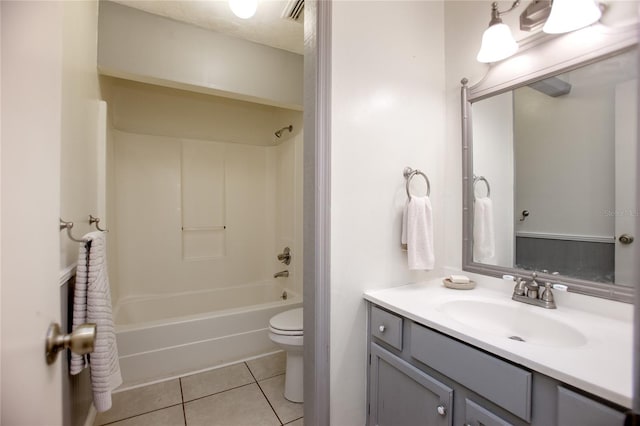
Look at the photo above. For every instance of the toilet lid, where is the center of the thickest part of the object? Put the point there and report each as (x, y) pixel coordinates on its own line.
(287, 321)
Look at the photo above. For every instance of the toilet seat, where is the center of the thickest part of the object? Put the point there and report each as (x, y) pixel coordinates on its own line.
(288, 323)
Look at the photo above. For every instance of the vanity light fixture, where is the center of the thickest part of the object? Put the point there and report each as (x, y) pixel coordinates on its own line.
(244, 9)
(571, 15)
(497, 41)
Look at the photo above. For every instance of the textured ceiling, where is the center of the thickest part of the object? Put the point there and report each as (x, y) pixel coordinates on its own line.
(265, 27)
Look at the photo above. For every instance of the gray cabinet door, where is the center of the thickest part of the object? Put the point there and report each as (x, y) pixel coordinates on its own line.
(575, 409)
(476, 415)
(402, 395)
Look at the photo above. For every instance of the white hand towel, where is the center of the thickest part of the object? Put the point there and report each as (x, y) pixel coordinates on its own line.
(417, 233)
(92, 303)
(483, 234)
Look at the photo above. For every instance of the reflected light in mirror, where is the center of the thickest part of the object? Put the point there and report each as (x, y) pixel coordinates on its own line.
(570, 15)
(244, 9)
(497, 44)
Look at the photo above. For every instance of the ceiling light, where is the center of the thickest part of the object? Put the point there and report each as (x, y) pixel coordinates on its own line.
(244, 9)
(570, 15)
(497, 41)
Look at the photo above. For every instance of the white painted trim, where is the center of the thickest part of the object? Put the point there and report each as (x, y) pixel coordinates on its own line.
(567, 237)
(67, 273)
(317, 211)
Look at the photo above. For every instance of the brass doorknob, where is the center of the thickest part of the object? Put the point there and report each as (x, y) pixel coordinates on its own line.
(81, 341)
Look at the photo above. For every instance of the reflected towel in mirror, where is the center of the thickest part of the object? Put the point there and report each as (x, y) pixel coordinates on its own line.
(483, 233)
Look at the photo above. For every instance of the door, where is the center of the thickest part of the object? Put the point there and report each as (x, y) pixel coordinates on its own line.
(31, 37)
(626, 137)
(402, 395)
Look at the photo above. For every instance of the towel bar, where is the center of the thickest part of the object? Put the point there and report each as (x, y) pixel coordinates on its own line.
(68, 226)
(96, 220)
(409, 173)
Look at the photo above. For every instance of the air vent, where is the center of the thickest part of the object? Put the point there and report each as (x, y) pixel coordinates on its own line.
(294, 10)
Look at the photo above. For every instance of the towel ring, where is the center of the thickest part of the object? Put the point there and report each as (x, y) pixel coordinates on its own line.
(409, 173)
(477, 179)
(68, 226)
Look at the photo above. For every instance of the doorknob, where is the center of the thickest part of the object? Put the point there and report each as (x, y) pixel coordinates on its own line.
(81, 341)
(626, 239)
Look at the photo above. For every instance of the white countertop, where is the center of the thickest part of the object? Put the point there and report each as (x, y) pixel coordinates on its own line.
(600, 365)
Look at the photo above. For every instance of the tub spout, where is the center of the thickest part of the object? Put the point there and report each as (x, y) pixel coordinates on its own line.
(281, 274)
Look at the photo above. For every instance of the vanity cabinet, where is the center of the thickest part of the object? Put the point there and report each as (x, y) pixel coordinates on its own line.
(419, 376)
(406, 396)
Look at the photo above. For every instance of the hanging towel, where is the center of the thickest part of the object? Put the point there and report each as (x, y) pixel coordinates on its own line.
(92, 303)
(483, 235)
(417, 233)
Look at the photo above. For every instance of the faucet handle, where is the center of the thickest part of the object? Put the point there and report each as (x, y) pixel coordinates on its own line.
(518, 290)
(547, 294)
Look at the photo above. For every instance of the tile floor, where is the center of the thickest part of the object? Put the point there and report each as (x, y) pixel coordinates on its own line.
(244, 394)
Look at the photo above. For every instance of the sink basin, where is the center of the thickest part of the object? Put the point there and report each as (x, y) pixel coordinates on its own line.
(514, 322)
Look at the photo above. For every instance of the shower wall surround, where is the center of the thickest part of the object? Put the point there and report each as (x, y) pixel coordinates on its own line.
(190, 214)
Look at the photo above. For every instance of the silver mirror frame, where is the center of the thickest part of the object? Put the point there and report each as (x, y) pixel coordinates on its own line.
(539, 57)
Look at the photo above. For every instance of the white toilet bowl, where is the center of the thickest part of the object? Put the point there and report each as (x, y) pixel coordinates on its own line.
(285, 329)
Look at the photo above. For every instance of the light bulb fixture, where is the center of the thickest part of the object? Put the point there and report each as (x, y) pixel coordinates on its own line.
(497, 41)
(244, 9)
(571, 15)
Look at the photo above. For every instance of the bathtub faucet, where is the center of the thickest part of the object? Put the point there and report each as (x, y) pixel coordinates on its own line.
(281, 274)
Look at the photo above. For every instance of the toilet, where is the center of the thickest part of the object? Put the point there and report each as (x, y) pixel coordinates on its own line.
(285, 329)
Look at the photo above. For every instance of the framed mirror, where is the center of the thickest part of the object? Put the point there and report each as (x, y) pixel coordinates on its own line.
(549, 163)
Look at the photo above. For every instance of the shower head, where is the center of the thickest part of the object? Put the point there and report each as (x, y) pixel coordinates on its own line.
(279, 132)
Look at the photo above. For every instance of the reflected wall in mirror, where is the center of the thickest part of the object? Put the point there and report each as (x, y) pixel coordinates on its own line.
(558, 153)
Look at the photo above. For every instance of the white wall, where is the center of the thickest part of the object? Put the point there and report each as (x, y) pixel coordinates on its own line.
(79, 109)
(153, 49)
(236, 173)
(387, 113)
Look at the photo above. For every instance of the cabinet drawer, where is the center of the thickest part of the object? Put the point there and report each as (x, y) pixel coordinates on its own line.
(386, 327)
(476, 415)
(501, 382)
(576, 409)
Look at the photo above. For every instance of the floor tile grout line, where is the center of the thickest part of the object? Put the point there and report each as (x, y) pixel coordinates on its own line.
(217, 393)
(184, 414)
(265, 397)
(294, 420)
(141, 414)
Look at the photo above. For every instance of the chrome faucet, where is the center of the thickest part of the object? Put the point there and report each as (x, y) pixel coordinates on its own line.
(532, 294)
(284, 273)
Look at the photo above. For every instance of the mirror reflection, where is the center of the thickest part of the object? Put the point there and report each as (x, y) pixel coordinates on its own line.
(558, 157)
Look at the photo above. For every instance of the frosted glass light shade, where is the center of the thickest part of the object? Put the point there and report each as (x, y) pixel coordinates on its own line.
(497, 44)
(244, 9)
(571, 15)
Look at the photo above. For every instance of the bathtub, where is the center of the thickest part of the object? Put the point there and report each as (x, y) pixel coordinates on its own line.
(167, 336)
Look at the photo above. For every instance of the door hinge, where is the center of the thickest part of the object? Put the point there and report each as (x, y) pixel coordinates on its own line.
(369, 359)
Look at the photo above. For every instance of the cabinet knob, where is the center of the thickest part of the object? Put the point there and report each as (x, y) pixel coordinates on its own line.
(382, 328)
(442, 410)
